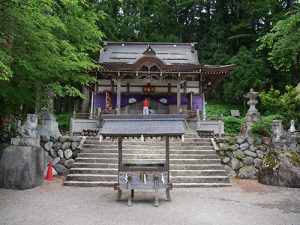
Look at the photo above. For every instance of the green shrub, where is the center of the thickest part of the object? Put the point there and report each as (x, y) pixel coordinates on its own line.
(232, 125)
(286, 104)
(215, 109)
(263, 127)
(63, 120)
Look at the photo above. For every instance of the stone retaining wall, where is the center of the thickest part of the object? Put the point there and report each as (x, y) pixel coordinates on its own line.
(242, 156)
(62, 151)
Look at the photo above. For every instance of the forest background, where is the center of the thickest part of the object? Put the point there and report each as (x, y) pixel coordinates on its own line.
(53, 44)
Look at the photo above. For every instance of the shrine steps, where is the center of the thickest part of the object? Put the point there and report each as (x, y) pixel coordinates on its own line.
(193, 163)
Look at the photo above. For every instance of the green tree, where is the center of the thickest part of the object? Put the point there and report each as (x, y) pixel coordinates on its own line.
(251, 72)
(286, 104)
(45, 44)
(283, 44)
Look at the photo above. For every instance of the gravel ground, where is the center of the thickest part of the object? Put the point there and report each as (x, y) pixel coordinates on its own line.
(246, 202)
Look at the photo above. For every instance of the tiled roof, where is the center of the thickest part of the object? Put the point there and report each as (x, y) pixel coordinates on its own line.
(146, 125)
(130, 52)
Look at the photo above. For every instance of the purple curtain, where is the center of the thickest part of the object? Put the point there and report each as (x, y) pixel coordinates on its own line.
(99, 100)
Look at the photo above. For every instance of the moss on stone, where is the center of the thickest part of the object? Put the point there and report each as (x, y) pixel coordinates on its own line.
(270, 160)
(230, 141)
(239, 158)
(295, 158)
(226, 152)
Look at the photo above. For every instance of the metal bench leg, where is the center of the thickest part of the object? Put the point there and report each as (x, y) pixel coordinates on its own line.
(156, 190)
(168, 195)
(119, 195)
(129, 191)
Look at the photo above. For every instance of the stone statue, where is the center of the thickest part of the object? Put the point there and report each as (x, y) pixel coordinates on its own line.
(29, 127)
(277, 130)
(292, 127)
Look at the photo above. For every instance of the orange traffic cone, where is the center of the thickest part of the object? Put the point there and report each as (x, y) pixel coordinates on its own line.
(49, 172)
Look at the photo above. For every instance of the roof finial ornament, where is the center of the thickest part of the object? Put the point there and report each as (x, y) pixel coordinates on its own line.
(149, 51)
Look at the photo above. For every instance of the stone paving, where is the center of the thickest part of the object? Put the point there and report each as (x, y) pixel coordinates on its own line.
(246, 202)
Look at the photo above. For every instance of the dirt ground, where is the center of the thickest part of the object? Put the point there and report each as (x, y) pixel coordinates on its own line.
(245, 202)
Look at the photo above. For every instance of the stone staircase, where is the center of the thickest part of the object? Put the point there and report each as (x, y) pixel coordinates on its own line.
(193, 163)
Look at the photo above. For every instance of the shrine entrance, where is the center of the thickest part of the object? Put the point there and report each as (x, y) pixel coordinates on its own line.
(168, 73)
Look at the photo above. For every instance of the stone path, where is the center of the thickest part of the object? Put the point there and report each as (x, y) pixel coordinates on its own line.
(246, 202)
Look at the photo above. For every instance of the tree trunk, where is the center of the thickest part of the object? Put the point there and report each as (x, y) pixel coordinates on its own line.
(86, 100)
(294, 71)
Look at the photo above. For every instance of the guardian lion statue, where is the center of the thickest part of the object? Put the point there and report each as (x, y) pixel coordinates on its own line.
(28, 129)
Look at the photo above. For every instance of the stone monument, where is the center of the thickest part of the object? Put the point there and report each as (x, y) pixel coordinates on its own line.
(252, 115)
(23, 162)
(277, 130)
(48, 125)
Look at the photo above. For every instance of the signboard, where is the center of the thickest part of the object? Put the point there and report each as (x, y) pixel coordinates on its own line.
(148, 89)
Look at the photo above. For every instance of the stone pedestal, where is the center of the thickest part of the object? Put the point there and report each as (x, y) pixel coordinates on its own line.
(22, 167)
(25, 141)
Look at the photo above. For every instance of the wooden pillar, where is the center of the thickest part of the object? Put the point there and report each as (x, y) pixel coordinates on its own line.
(178, 95)
(112, 86)
(119, 154)
(169, 89)
(92, 105)
(203, 107)
(191, 100)
(118, 96)
(185, 87)
(168, 156)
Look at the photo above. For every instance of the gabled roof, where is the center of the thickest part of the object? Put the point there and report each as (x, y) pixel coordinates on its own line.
(169, 61)
(148, 125)
(130, 52)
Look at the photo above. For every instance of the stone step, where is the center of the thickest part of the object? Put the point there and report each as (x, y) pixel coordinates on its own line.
(137, 147)
(196, 167)
(146, 161)
(172, 166)
(89, 183)
(175, 185)
(94, 165)
(199, 179)
(149, 156)
(147, 142)
(91, 177)
(114, 171)
(145, 151)
(193, 163)
(108, 171)
(186, 136)
(197, 172)
(200, 185)
(174, 179)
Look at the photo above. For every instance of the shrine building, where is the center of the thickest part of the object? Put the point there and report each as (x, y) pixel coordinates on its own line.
(169, 74)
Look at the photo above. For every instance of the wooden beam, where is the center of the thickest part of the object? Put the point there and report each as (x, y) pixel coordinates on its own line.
(119, 96)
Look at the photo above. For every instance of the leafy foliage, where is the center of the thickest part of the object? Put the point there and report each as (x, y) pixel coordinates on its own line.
(232, 125)
(54, 43)
(251, 72)
(283, 42)
(286, 104)
(214, 109)
(63, 120)
(45, 44)
(264, 126)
